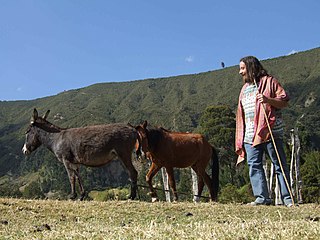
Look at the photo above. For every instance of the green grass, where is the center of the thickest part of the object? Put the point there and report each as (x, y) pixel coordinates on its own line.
(47, 219)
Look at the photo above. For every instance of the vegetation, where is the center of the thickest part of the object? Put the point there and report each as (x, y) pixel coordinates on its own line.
(48, 219)
(203, 102)
(311, 172)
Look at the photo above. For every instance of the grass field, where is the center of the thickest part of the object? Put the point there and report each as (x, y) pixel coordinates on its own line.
(48, 219)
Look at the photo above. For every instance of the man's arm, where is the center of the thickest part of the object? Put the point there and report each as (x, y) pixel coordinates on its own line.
(275, 102)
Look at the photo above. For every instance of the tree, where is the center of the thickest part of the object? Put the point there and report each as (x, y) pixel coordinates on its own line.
(33, 190)
(310, 172)
(217, 124)
(185, 184)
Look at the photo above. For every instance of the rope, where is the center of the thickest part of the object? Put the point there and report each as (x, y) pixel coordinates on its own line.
(276, 149)
(180, 193)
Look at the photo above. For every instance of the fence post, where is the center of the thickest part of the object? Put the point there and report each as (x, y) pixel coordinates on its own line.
(292, 165)
(277, 200)
(297, 167)
(265, 168)
(194, 176)
(277, 197)
(271, 180)
(165, 184)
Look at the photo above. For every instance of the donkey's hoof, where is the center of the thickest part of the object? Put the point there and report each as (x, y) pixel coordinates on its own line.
(83, 196)
(73, 196)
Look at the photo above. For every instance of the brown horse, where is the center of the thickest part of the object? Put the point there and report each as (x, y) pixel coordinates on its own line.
(180, 150)
(92, 146)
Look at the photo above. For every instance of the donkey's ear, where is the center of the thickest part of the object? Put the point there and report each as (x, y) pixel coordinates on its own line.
(145, 124)
(46, 115)
(35, 115)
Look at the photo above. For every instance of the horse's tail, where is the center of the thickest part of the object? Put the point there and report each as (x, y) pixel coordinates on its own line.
(215, 174)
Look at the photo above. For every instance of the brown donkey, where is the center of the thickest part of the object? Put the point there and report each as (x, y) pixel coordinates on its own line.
(92, 146)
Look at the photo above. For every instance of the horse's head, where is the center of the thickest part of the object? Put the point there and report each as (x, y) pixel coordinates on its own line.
(142, 137)
(32, 141)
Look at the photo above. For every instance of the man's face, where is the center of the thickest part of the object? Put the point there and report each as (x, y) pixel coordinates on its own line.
(243, 71)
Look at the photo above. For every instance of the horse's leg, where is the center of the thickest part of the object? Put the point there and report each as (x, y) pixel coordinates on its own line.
(133, 174)
(207, 181)
(200, 184)
(172, 183)
(154, 169)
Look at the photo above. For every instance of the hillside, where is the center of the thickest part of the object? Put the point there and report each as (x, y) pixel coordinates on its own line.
(174, 103)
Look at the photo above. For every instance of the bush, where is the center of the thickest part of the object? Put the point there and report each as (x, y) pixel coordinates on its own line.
(8, 190)
(230, 194)
(110, 194)
(33, 190)
(310, 172)
(311, 194)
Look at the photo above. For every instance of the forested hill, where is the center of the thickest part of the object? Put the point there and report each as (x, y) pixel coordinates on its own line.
(173, 102)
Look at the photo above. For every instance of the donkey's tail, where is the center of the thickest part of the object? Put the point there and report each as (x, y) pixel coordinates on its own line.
(215, 174)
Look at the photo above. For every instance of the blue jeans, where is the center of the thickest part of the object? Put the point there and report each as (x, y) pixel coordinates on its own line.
(257, 175)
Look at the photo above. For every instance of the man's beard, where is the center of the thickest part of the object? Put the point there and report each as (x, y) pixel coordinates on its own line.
(247, 80)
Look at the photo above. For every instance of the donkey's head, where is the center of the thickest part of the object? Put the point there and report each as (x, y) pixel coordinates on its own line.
(32, 141)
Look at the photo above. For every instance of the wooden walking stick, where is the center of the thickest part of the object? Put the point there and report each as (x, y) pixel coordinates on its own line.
(275, 146)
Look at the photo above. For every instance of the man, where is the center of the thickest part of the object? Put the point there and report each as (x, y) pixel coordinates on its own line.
(260, 101)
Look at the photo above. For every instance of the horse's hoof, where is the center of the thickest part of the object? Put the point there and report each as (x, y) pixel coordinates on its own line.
(132, 197)
(196, 199)
(154, 199)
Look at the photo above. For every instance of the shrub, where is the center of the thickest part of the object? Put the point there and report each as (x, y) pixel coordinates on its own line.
(33, 190)
(230, 194)
(110, 194)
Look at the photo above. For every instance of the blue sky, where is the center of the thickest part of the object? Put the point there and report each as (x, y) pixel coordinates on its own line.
(47, 47)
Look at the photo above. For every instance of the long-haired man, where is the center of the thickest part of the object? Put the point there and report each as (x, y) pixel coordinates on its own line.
(261, 93)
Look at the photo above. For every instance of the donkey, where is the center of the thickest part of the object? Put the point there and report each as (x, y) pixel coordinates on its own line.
(92, 146)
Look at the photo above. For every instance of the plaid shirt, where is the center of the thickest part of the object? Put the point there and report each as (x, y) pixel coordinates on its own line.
(270, 87)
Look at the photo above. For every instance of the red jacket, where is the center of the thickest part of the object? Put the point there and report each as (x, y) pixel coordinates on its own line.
(270, 87)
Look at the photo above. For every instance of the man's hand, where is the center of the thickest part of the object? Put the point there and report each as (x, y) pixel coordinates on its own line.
(277, 103)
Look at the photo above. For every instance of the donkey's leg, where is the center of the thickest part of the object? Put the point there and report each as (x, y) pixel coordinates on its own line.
(133, 174)
(72, 178)
(172, 183)
(82, 191)
(154, 169)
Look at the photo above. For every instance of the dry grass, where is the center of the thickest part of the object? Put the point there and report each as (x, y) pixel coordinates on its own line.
(47, 219)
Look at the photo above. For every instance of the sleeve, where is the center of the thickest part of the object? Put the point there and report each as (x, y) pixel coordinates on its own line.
(278, 90)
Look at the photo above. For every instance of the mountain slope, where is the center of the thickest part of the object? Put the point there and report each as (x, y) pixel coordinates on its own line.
(174, 103)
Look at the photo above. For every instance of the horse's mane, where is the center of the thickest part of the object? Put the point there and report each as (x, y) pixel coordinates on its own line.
(165, 130)
(154, 136)
(169, 131)
(47, 126)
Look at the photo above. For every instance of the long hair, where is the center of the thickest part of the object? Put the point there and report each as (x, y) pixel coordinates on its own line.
(254, 68)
